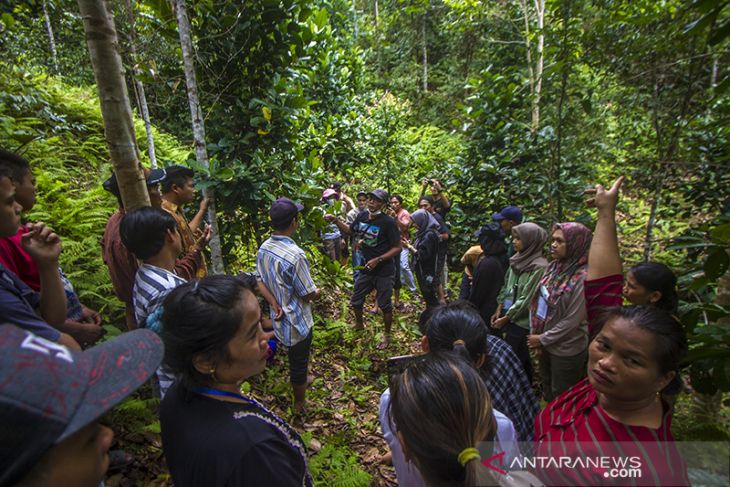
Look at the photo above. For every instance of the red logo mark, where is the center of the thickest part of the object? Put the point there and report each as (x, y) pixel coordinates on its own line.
(488, 462)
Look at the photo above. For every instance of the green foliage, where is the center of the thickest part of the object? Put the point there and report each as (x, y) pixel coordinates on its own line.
(58, 128)
(338, 466)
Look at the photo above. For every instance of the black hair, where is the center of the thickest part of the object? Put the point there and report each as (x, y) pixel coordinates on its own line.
(143, 231)
(336, 185)
(282, 225)
(441, 407)
(655, 276)
(13, 166)
(459, 328)
(669, 334)
(200, 318)
(176, 175)
(399, 198)
(427, 198)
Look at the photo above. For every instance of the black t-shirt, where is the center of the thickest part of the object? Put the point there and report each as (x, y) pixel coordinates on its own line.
(376, 237)
(486, 284)
(443, 228)
(440, 208)
(216, 443)
(427, 253)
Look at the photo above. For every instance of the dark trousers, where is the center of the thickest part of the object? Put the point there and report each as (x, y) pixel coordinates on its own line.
(465, 287)
(516, 337)
(427, 284)
(559, 373)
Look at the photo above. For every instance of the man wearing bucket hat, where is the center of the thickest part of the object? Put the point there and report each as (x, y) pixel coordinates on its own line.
(379, 240)
(51, 399)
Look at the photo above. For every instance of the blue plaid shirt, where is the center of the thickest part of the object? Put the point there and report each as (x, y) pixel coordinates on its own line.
(284, 269)
(510, 390)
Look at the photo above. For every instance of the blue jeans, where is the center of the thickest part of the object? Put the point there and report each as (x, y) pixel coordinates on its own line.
(406, 275)
(357, 261)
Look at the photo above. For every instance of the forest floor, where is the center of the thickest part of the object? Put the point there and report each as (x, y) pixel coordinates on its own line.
(341, 426)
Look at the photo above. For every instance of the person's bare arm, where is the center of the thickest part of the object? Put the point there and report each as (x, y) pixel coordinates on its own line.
(344, 227)
(44, 247)
(198, 218)
(373, 263)
(604, 258)
(313, 296)
(266, 293)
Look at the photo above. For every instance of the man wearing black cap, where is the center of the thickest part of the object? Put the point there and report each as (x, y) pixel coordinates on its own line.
(51, 399)
(283, 267)
(178, 190)
(508, 217)
(379, 240)
(119, 260)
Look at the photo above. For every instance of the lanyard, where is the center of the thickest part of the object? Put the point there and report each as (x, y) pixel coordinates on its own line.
(218, 392)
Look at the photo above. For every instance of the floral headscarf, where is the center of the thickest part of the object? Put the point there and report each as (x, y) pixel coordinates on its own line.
(563, 275)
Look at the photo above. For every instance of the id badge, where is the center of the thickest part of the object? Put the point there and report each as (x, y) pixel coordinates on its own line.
(507, 304)
(542, 304)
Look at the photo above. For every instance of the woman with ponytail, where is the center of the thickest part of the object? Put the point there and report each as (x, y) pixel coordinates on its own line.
(443, 411)
(457, 328)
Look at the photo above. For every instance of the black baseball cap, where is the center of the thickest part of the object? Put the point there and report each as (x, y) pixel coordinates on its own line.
(155, 176)
(508, 213)
(48, 392)
(283, 211)
(380, 195)
(490, 232)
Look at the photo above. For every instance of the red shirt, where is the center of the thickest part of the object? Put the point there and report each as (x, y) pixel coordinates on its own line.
(574, 425)
(605, 292)
(16, 260)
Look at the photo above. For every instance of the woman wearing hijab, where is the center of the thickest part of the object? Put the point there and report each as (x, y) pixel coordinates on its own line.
(489, 271)
(527, 266)
(425, 254)
(558, 311)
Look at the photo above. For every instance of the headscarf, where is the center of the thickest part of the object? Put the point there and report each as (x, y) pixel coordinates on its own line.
(491, 239)
(533, 239)
(424, 221)
(564, 274)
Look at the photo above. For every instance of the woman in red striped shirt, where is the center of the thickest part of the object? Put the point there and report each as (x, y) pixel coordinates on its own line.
(614, 426)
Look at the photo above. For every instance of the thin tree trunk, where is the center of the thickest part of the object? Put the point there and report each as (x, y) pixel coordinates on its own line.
(540, 9)
(101, 38)
(139, 86)
(354, 18)
(425, 52)
(565, 75)
(201, 152)
(51, 38)
(377, 14)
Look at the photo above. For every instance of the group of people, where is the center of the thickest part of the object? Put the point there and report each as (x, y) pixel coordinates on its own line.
(608, 372)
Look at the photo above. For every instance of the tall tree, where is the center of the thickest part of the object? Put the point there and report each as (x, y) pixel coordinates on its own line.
(138, 85)
(101, 39)
(51, 38)
(201, 151)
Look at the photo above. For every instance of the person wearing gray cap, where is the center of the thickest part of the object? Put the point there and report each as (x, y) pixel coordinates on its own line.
(51, 399)
(379, 240)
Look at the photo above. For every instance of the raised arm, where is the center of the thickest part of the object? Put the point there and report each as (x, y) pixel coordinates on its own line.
(198, 218)
(604, 258)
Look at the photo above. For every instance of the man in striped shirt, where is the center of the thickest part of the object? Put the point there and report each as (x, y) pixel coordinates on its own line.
(151, 235)
(284, 269)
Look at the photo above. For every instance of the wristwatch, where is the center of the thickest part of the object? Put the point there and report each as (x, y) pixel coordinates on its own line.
(380, 259)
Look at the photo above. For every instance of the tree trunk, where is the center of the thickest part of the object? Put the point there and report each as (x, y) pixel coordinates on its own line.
(425, 52)
(101, 38)
(139, 86)
(51, 39)
(354, 18)
(377, 14)
(201, 152)
(540, 9)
